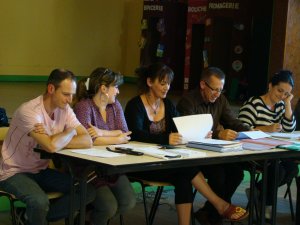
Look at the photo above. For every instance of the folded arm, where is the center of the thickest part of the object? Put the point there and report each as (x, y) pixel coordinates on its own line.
(69, 138)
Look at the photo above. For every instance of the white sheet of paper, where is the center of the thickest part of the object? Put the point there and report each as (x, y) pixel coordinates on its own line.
(194, 127)
(97, 152)
(158, 153)
(210, 141)
(187, 153)
(285, 135)
(252, 134)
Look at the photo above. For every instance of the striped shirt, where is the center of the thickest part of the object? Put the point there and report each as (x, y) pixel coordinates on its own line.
(255, 113)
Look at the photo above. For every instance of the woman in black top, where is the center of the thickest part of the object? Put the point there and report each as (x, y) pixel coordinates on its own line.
(149, 117)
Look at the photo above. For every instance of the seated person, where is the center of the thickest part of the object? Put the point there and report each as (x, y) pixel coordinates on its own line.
(149, 117)
(272, 112)
(49, 123)
(102, 115)
(297, 115)
(209, 98)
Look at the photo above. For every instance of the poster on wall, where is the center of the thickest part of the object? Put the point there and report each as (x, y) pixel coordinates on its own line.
(196, 15)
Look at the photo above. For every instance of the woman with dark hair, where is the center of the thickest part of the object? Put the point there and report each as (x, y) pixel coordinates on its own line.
(99, 111)
(272, 112)
(149, 117)
(297, 115)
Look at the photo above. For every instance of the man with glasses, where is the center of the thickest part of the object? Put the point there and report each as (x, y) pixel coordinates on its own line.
(223, 178)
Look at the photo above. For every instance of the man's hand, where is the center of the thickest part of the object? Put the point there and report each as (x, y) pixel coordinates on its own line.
(40, 129)
(175, 139)
(227, 134)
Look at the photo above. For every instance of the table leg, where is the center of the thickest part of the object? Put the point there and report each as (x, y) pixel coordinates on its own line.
(297, 221)
(252, 190)
(275, 188)
(264, 192)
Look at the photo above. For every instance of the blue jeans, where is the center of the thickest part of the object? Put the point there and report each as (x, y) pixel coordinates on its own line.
(113, 200)
(30, 189)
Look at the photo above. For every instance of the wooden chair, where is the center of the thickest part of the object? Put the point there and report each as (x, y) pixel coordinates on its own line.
(12, 199)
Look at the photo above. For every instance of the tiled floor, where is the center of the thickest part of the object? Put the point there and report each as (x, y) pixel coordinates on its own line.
(166, 214)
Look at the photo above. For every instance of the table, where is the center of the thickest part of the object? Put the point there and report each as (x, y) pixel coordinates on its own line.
(129, 163)
(297, 220)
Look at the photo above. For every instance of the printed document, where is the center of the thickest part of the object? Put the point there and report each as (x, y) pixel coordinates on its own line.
(97, 153)
(295, 135)
(252, 134)
(194, 127)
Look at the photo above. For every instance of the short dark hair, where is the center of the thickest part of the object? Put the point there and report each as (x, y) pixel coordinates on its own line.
(212, 71)
(284, 76)
(153, 71)
(58, 75)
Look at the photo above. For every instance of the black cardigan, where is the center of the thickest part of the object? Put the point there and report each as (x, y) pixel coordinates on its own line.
(139, 123)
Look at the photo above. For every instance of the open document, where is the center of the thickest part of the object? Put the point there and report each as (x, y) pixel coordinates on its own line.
(97, 152)
(252, 135)
(194, 127)
(292, 135)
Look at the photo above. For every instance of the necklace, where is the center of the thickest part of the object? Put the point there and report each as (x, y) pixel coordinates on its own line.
(155, 109)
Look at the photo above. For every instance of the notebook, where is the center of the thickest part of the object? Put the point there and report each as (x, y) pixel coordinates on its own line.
(216, 145)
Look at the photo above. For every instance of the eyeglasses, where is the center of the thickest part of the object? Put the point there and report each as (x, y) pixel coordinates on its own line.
(220, 91)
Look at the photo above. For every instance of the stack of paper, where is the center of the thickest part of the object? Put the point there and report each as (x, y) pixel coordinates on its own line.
(294, 147)
(262, 143)
(295, 135)
(216, 145)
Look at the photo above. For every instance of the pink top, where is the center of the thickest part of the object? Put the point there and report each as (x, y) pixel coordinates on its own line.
(17, 150)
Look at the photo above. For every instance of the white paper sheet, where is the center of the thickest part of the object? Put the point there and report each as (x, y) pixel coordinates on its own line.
(210, 141)
(194, 127)
(97, 153)
(285, 135)
(252, 134)
(187, 153)
(158, 153)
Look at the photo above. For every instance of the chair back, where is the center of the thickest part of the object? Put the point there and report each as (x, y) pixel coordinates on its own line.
(3, 132)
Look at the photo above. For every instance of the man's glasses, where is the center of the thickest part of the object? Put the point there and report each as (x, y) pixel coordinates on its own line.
(215, 90)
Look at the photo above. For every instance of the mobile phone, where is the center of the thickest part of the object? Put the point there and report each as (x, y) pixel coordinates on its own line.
(128, 151)
(173, 156)
(123, 149)
(134, 153)
(167, 147)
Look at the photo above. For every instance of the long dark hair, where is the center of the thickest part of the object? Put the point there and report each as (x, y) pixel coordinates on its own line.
(89, 86)
(153, 71)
